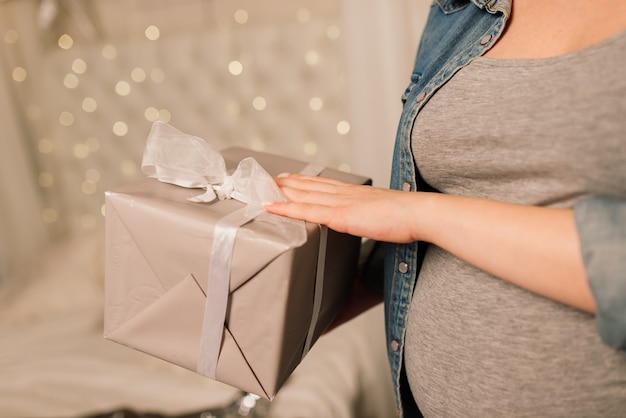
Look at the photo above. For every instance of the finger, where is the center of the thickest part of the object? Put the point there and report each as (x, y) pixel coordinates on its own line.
(311, 184)
(313, 197)
(303, 211)
(309, 179)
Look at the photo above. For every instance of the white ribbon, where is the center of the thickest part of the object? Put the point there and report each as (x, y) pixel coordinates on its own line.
(216, 305)
(174, 157)
(319, 289)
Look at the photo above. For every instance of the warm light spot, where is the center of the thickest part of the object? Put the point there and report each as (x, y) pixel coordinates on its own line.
(152, 33)
(235, 67)
(49, 215)
(122, 88)
(103, 210)
(259, 103)
(120, 128)
(138, 75)
(343, 127)
(109, 52)
(46, 179)
(81, 151)
(345, 167)
(151, 114)
(316, 104)
(310, 148)
(165, 115)
(70, 81)
(79, 66)
(303, 15)
(19, 74)
(66, 118)
(45, 146)
(312, 58)
(333, 32)
(65, 41)
(11, 36)
(241, 16)
(257, 144)
(89, 104)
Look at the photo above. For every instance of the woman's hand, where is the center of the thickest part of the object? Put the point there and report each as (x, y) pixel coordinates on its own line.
(536, 248)
(364, 211)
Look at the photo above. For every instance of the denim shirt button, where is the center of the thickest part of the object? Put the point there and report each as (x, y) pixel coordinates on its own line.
(421, 97)
(406, 186)
(395, 345)
(403, 267)
(485, 39)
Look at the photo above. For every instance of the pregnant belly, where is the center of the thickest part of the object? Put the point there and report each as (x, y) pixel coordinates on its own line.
(479, 347)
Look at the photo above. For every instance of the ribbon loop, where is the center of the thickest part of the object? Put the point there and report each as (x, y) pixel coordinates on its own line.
(174, 157)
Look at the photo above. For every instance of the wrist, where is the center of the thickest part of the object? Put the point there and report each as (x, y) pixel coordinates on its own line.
(427, 217)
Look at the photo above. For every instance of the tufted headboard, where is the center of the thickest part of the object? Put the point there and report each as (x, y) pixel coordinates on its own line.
(84, 79)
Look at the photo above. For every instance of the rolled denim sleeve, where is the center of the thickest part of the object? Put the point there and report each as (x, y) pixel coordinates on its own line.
(601, 225)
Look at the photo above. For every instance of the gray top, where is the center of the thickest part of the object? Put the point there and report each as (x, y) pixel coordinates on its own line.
(540, 132)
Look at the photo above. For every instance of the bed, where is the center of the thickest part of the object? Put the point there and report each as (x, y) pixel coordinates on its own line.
(55, 363)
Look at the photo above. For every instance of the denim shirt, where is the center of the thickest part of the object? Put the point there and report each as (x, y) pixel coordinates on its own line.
(456, 32)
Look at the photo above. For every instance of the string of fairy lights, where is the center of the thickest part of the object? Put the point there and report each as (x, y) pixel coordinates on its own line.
(273, 87)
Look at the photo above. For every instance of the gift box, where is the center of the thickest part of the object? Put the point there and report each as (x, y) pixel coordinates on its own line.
(238, 301)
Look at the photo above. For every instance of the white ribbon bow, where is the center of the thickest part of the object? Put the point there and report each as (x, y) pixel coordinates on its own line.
(174, 157)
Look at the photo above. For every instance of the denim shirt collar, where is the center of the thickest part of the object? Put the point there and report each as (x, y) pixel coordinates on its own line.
(495, 6)
(492, 6)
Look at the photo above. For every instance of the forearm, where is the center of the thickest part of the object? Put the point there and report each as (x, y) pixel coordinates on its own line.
(532, 247)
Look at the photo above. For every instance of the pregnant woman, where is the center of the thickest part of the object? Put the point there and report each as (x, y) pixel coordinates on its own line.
(504, 229)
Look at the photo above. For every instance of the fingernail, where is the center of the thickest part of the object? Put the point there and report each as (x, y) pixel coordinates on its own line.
(281, 175)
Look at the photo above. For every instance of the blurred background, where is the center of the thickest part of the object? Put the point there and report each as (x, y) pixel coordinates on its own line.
(81, 82)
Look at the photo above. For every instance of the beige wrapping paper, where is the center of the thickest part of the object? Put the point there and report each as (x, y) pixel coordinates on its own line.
(157, 258)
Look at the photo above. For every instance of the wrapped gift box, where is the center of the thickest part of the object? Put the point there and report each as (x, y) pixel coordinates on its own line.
(158, 246)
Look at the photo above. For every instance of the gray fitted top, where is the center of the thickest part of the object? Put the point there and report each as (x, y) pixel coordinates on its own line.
(532, 131)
